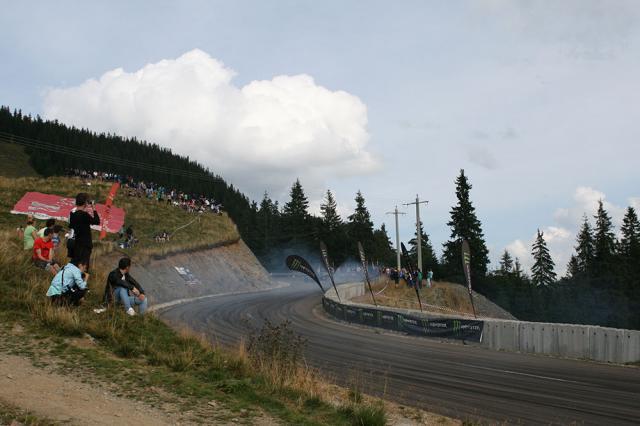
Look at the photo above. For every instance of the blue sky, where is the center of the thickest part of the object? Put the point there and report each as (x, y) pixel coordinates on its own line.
(537, 101)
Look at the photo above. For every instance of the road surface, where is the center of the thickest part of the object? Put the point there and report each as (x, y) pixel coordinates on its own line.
(461, 381)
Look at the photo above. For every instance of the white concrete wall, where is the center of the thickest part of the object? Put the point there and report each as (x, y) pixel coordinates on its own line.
(565, 340)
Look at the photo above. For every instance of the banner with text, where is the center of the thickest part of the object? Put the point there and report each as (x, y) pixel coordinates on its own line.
(447, 328)
(45, 206)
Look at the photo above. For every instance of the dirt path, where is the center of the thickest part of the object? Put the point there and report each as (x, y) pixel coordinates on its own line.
(66, 399)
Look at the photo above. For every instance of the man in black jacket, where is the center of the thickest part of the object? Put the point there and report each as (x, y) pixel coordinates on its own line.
(80, 220)
(121, 287)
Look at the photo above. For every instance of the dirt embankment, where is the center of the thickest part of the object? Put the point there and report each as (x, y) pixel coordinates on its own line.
(443, 298)
(225, 269)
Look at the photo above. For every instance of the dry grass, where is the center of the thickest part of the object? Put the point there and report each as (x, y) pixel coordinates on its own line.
(147, 217)
(442, 297)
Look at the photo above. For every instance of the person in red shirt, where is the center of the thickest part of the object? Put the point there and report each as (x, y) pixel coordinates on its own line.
(43, 253)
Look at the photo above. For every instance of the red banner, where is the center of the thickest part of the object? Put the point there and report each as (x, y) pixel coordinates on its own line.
(45, 206)
(107, 214)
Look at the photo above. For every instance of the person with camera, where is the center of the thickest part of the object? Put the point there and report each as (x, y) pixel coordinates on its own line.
(121, 287)
(80, 243)
(69, 285)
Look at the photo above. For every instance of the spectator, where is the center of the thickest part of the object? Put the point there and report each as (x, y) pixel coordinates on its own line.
(69, 286)
(121, 287)
(49, 224)
(30, 234)
(429, 278)
(57, 229)
(43, 253)
(80, 222)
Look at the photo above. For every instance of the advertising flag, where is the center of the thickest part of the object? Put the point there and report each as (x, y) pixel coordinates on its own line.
(297, 263)
(363, 259)
(107, 212)
(327, 266)
(466, 266)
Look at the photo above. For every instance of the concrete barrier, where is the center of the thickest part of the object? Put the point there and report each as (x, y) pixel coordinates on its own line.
(564, 340)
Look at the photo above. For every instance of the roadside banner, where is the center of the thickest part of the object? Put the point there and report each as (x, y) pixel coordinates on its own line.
(45, 206)
(107, 213)
(445, 328)
(299, 264)
(466, 266)
(327, 266)
(363, 259)
(411, 271)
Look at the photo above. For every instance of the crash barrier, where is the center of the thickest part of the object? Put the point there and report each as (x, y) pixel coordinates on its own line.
(416, 324)
(565, 340)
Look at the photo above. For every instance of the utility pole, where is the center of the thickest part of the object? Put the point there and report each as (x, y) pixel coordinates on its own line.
(418, 233)
(396, 213)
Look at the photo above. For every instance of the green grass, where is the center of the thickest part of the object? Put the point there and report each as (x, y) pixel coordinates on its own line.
(141, 353)
(10, 414)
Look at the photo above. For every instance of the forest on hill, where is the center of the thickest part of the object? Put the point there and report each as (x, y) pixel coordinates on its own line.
(601, 287)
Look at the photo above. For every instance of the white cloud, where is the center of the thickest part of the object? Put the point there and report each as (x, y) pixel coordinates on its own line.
(259, 136)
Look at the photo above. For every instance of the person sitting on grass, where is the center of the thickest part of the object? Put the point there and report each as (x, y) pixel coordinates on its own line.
(43, 253)
(121, 287)
(30, 234)
(49, 224)
(69, 285)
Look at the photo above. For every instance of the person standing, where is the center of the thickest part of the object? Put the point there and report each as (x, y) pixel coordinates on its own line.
(429, 278)
(80, 221)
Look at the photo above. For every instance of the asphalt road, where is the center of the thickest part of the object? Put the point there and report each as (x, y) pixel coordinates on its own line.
(452, 379)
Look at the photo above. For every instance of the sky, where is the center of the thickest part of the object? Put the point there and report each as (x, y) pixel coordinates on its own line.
(538, 101)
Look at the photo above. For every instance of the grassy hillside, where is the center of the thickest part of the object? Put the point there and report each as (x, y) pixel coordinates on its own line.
(146, 216)
(443, 298)
(15, 162)
(143, 357)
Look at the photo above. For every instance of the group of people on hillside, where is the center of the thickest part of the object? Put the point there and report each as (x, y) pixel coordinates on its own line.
(69, 284)
(413, 280)
(189, 202)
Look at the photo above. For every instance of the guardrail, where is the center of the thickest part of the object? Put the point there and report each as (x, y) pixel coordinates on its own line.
(564, 340)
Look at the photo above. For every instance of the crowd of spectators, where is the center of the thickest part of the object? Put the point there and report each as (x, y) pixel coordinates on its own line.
(189, 202)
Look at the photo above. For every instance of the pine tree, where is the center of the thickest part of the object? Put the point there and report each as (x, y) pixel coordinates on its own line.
(465, 226)
(382, 250)
(429, 259)
(584, 248)
(329, 212)
(604, 241)
(573, 268)
(295, 215)
(506, 263)
(517, 268)
(630, 240)
(542, 271)
(360, 227)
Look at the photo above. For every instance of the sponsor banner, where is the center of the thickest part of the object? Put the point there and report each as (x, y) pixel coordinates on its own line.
(466, 263)
(446, 328)
(327, 266)
(107, 214)
(297, 263)
(363, 259)
(45, 206)
(186, 275)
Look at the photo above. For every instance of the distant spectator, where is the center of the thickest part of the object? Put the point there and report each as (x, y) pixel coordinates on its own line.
(80, 221)
(429, 278)
(121, 287)
(57, 229)
(43, 253)
(30, 234)
(69, 286)
(49, 224)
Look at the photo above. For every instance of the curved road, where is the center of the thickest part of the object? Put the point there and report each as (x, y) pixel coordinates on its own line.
(452, 379)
